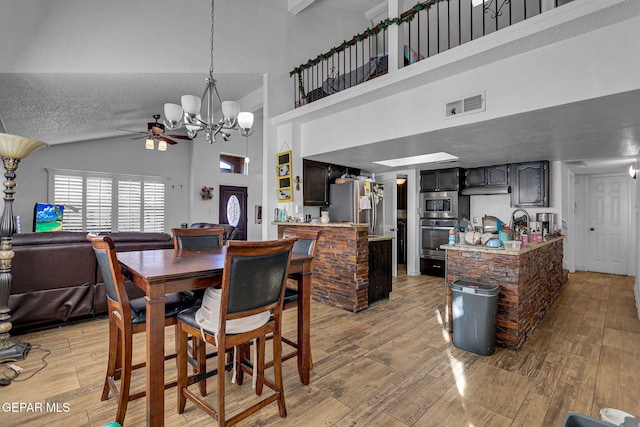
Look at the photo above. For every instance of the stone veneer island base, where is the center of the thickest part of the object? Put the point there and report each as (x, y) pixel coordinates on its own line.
(530, 280)
(341, 273)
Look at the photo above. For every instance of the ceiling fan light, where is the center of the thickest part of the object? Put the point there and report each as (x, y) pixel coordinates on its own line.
(149, 145)
(245, 121)
(633, 172)
(162, 145)
(191, 104)
(230, 109)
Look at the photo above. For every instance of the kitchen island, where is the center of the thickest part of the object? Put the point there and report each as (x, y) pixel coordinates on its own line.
(530, 280)
(343, 276)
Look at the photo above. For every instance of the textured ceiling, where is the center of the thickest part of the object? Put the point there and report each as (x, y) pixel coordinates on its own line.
(63, 107)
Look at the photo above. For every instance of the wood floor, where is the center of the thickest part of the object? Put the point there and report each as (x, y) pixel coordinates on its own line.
(390, 365)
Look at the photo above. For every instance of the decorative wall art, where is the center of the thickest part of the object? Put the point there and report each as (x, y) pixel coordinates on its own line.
(206, 193)
(283, 173)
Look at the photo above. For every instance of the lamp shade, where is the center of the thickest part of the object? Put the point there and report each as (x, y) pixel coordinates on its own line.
(18, 147)
(191, 104)
(162, 145)
(173, 112)
(245, 120)
(230, 109)
(149, 145)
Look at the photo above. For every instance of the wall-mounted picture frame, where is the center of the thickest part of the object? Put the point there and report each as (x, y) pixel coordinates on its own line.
(283, 172)
(258, 214)
(284, 195)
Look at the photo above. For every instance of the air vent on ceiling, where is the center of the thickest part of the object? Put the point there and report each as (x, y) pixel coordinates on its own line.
(469, 104)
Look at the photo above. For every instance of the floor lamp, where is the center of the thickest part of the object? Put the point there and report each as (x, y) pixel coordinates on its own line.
(12, 150)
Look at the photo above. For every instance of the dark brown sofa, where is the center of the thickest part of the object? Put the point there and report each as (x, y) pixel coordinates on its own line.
(56, 278)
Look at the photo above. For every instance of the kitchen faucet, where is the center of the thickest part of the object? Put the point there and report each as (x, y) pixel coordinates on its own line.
(513, 218)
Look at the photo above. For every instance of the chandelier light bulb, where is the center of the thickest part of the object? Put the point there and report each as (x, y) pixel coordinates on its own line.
(230, 109)
(173, 113)
(245, 120)
(191, 104)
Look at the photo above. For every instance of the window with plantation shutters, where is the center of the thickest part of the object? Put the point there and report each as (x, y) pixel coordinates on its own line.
(153, 206)
(98, 202)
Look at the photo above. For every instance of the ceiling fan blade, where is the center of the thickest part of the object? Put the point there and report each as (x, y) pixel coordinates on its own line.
(141, 137)
(169, 141)
(179, 136)
(134, 131)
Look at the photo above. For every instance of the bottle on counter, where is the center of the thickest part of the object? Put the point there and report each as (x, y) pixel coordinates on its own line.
(452, 237)
(524, 237)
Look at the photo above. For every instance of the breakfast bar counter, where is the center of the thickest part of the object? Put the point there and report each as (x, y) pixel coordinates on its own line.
(530, 280)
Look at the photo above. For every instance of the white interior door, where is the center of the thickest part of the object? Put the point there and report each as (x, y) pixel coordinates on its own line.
(390, 219)
(608, 230)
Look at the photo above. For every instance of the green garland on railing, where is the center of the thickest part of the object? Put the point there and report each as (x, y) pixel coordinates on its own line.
(369, 32)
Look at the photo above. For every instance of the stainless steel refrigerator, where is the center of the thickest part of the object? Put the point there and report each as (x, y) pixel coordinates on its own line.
(360, 202)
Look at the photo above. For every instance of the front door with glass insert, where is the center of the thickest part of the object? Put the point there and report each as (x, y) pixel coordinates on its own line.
(233, 208)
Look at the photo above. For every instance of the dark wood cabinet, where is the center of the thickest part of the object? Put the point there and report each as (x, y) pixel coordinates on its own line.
(440, 180)
(487, 176)
(379, 270)
(497, 175)
(530, 184)
(315, 178)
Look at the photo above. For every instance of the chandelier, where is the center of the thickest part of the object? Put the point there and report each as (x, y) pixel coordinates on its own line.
(188, 114)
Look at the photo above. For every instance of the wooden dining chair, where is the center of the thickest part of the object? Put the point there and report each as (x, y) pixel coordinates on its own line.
(126, 317)
(253, 284)
(197, 238)
(307, 244)
(194, 238)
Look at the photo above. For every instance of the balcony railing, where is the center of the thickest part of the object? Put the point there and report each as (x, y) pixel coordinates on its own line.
(428, 28)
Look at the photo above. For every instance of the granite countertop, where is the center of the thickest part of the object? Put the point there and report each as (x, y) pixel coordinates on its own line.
(480, 248)
(380, 238)
(319, 224)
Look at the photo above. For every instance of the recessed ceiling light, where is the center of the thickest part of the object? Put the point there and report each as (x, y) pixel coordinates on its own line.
(416, 160)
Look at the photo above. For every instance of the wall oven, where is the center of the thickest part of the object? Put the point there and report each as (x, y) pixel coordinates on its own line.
(441, 204)
(433, 234)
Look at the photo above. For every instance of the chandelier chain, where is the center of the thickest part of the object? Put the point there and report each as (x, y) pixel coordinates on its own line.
(211, 47)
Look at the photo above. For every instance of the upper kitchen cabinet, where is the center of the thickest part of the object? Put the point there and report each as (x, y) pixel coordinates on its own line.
(440, 180)
(315, 176)
(530, 184)
(487, 176)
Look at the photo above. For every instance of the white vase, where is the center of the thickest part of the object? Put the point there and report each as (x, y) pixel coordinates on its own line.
(324, 217)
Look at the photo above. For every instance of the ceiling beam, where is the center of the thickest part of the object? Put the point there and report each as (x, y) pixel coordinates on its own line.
(297, 6)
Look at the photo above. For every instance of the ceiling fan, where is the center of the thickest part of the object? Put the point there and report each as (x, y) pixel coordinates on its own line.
(155, 132)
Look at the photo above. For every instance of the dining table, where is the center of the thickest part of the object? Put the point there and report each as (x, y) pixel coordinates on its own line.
(164, 271)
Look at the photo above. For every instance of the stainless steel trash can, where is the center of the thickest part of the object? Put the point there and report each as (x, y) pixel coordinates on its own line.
(474, 307)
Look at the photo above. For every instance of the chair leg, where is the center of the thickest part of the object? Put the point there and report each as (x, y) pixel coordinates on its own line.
(181, 350)
(222, 422)
(277, 371)
(260, 349)
(125, 379)
(111, 362)
(200, 354)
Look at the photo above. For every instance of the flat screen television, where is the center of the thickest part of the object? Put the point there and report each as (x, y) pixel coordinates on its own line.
(47, 217)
